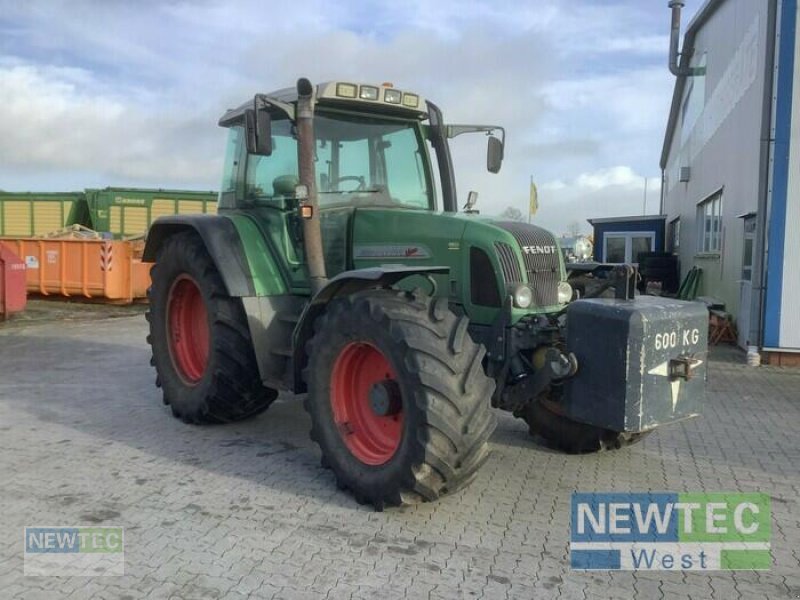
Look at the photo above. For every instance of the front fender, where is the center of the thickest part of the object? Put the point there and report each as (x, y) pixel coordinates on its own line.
(344, 284)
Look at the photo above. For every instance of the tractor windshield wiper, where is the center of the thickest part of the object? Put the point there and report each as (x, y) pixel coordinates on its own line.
(367, 191)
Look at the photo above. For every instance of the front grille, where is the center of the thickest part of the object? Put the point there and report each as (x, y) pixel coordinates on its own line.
(543, 268)
(508, 262)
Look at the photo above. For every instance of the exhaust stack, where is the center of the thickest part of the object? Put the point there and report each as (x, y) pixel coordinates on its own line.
(312, 233)
(674, 40)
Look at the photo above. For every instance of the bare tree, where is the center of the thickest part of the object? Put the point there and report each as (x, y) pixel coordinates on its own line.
(574, 229)
(512, 214)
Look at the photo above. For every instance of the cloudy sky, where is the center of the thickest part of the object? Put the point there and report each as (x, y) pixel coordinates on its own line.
(112, 92)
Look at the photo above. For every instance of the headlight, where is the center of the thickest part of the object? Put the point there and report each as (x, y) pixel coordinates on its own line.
(522, 296)
(392, 96)
(346, 90)
(411, 100)
(368, 92)
(564, 292)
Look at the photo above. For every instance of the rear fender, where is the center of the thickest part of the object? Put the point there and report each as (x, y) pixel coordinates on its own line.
(221, 239)
(344, 284)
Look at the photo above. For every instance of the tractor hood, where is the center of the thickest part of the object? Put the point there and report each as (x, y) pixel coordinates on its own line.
(526, 254)
(486, 257)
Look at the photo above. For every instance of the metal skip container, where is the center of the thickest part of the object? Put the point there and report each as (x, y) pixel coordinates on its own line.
(109, 270)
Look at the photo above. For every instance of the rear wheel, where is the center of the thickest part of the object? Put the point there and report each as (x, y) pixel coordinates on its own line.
(187, 327)
(201, 344)
(397, 397)
(545, 420)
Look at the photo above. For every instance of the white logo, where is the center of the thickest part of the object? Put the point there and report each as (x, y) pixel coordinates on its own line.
(539, 249)
(671, 339)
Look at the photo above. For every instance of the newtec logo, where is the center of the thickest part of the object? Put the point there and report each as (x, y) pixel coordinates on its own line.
(669, 531)
(69, 551)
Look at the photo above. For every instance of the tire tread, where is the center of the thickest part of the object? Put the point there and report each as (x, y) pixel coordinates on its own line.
(234, 391)
(452, 393)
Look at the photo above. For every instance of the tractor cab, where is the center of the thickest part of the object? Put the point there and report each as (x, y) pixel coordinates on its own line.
(374, 149)
(373, 146)
(360, 161)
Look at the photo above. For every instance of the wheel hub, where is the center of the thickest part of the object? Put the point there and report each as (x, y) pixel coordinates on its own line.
(367, 403)
(187, 329)
(384, 398)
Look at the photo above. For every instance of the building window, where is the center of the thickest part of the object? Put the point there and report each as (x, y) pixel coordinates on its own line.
(625, 247)
(709, 220)
(694, 99)
(747, 250)
(675, 236)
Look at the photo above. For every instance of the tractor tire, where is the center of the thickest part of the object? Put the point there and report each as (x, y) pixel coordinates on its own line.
(398, 399)
(200, 340)
(573, 437)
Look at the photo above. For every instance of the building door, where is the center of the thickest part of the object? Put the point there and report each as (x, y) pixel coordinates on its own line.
(746, 281)
(625, 247)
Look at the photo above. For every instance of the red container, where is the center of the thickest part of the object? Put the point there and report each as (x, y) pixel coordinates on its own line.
(13, 286)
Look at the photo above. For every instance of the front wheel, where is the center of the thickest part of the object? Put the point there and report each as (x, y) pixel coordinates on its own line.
(545, 420)
(398, 399)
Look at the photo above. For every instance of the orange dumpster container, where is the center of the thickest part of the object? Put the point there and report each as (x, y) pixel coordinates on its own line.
(109, 270)
(13, 297)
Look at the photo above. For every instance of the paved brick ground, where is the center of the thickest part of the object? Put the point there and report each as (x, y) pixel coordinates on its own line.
(245, 510)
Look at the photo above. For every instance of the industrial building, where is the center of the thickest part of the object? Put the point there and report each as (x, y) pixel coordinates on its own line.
(730, 165)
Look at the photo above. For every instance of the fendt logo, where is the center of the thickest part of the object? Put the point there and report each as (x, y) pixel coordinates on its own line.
(539, 249)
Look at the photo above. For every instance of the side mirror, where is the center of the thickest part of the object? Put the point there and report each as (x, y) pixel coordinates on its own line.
(258, 131)
(494, 155)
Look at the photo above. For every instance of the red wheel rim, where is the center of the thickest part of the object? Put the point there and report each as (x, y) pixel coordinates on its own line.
(372, 438)
(187, 322)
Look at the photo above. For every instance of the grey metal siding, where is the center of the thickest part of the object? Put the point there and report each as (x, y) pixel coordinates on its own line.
(723, 148)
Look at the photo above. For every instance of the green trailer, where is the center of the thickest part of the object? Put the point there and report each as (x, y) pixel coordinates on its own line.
(120, 212)
(26, 214)
(130, 211)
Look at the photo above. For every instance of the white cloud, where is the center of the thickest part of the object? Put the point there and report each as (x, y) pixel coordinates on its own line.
(635, 99)
(134, 98)
(642, 44)
(55, 119)
(618, 176)
(611, 192)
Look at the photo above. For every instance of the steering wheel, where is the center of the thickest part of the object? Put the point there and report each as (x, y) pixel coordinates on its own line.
(357, 178)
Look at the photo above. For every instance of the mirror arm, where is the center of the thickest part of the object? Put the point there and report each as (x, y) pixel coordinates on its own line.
(263, 101)
(455, 130)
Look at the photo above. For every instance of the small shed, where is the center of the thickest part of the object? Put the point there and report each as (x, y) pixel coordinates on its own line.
(622, 239)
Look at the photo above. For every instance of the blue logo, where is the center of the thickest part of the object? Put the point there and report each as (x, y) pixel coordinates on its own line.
(74, 551)
(670, 531)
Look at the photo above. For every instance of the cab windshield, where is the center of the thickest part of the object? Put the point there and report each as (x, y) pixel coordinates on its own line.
(362, 161)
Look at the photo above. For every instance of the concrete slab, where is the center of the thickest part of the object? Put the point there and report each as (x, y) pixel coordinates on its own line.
(245, 510)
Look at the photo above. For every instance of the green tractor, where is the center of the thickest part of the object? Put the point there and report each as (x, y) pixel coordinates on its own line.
(340, 268)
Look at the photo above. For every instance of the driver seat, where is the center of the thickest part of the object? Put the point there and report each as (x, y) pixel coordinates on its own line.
(284, 185)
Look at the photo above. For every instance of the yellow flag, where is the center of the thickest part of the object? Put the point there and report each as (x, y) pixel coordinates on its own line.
(534, 199)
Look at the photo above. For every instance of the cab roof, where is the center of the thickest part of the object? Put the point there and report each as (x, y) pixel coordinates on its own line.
(366, 97)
